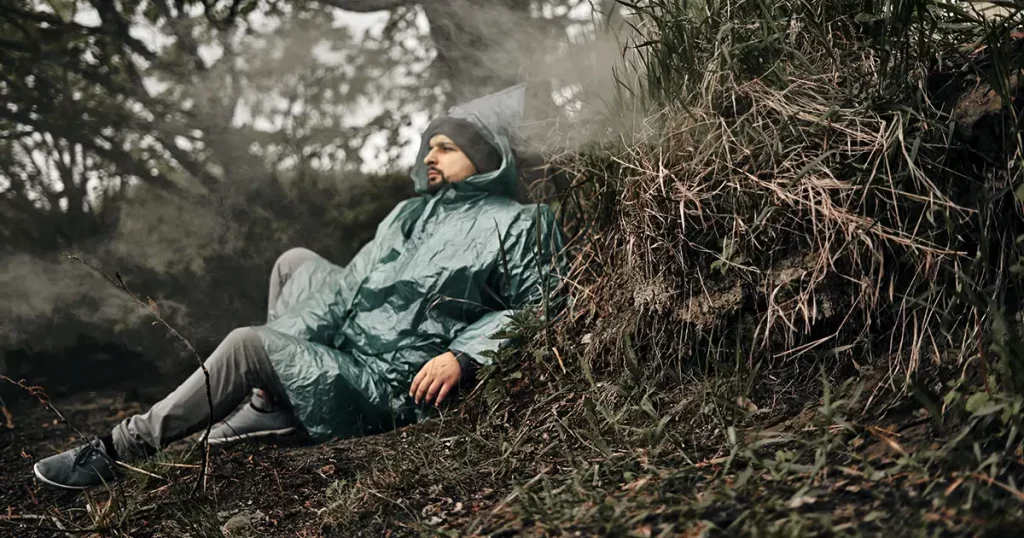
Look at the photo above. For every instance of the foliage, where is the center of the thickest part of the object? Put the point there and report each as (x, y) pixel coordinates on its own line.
(197, 98)
(804, 192)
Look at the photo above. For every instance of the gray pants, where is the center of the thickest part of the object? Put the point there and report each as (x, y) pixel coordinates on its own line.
(237, 367)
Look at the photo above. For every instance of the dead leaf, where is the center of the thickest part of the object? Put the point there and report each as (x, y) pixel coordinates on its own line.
(797, 502)
(746, 404)
(877, 432)
(636, 484)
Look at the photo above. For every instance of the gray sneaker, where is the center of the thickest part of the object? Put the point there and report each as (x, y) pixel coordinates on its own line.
(250, 422)
(78, 468)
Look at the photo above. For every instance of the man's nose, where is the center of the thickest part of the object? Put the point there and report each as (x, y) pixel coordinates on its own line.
(430, 159)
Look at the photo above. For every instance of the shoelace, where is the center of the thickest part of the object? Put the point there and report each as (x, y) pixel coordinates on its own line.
(86, 454)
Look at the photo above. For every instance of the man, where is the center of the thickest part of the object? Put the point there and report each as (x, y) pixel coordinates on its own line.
(353, 350)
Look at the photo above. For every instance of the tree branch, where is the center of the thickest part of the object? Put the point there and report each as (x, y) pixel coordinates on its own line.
(154, 310)
(125, 161)
(367, 6)
(180, 26)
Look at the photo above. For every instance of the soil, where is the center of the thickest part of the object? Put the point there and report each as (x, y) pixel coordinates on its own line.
(284, 482)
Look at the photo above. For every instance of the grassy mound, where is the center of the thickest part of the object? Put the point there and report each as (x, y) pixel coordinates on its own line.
(819, 183)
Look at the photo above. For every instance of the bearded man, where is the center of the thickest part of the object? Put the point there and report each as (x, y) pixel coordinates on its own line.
(358, 349)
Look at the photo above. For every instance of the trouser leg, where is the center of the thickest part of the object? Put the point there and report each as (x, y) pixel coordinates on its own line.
(284, 268)
(236, 367)
(285, 265)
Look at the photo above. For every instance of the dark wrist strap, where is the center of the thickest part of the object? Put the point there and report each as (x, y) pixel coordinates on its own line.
(469, 368)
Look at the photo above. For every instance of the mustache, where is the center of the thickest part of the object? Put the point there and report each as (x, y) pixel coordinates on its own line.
(435, 169)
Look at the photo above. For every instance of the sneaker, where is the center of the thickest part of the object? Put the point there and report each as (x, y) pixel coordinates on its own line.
(250, 422)
(78, 468)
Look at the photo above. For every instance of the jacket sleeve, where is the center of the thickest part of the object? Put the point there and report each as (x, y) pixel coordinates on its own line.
(527, 273)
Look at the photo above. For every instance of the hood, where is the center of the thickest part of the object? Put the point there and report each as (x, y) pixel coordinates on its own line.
(493, 116)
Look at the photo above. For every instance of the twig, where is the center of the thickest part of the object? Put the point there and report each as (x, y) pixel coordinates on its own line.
(7, 416)
(182, 465)
(58, 526)
(559, 357)
(140, 471)
(1005, 487)
(37, 392)
(982, 361)
(154, 310)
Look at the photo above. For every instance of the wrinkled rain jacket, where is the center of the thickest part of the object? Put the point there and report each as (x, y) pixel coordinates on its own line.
(443, 273)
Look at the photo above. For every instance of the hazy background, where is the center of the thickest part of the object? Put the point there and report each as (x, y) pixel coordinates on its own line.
(185, 146)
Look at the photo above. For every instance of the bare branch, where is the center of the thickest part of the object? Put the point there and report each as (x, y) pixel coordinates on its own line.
(154, 310)
(367, 6)
(181, 27)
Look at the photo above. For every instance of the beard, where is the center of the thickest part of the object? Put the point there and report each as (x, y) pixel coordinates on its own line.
(434, 184)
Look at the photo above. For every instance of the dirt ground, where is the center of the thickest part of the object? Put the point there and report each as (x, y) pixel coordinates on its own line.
(282, 486)
(543, 469)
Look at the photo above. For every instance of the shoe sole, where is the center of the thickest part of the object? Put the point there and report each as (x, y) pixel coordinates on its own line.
(241, 437)
(48, 482)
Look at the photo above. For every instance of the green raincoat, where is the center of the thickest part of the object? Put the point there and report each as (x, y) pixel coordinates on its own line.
(442, 273)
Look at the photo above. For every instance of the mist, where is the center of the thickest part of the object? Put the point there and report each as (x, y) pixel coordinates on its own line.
(273, 113)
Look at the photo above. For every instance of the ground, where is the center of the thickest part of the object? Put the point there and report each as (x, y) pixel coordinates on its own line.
(286, 484)
(571, 463)
(282, 487)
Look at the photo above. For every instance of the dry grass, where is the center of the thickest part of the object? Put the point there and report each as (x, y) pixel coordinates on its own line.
(805, 186)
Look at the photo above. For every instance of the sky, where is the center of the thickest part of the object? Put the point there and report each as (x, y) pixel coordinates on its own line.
(374, 159)
(358, 23)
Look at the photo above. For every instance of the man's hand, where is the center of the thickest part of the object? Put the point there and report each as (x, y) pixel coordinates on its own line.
(437, 378)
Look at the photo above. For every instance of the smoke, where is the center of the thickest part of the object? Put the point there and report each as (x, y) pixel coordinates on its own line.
(37, 295)
(291, 109)
(579, 65)
(47, 299)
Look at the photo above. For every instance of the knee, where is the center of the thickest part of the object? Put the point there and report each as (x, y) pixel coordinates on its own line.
(292, 258)
(242, 337)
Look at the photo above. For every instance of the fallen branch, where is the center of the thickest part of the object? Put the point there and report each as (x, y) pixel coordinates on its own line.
(58, 526)
(154, 310)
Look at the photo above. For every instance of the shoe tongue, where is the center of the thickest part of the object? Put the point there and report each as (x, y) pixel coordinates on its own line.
(97, 443)
(260, 403)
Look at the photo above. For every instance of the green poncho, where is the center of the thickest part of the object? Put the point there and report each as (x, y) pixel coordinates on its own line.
(442, 273)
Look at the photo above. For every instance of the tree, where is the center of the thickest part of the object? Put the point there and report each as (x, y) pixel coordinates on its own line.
(198, 97)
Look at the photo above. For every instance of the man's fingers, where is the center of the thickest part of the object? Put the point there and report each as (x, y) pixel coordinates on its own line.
(416, 381)
(432, 391)
(445, 389)
(421, 376)
(421, 390)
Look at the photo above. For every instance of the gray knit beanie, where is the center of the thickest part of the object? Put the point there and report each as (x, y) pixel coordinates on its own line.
(484, 156)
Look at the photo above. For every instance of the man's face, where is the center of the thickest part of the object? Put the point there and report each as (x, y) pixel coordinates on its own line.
(446, 163)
